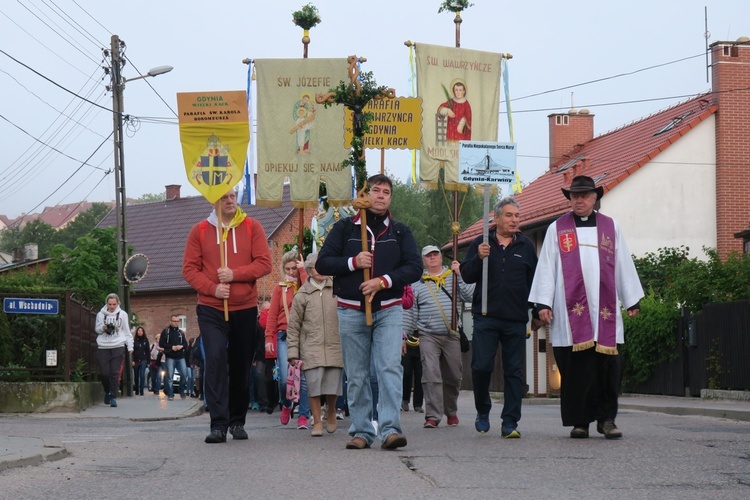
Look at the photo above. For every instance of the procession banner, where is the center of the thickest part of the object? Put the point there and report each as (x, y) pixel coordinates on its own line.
(460, 91)
(396, 124)
(214, 133)
(297, 138)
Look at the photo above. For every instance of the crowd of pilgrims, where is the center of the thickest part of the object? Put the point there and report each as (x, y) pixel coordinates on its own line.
(275, 340)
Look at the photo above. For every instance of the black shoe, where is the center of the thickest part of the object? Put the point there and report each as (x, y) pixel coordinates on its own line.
(580, 432)
(609, 429)
(237, 432)
(217, 436)
(269, 409)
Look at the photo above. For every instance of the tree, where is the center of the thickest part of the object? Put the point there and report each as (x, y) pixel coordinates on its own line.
(429, 212)
(82, 224)
(149, 197)
(10, 238)
(36, 231)
(90, 269)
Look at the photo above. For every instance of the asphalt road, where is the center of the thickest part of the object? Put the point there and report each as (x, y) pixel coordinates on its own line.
(661, 456)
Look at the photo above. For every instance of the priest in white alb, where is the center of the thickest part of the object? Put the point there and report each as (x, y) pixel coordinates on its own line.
(585, 276)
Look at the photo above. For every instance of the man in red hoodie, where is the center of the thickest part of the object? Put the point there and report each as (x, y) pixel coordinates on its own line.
(228, 345)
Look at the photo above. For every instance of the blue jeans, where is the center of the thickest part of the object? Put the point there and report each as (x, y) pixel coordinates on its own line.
(155, 378)
(379, 344)
(182, 369)
(488, 332)
(304, 403)
(190, 382)
(139, 371)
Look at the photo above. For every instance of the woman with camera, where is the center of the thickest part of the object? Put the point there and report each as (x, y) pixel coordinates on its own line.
(113, 339)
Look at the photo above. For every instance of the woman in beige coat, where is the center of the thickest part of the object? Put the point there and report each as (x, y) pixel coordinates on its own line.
(313, 338)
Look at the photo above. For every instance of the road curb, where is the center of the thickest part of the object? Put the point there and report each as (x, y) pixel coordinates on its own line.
(49, 452)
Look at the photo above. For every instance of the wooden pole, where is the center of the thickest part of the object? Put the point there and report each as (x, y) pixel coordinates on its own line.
(485, 239)
(456, 225)
(217, 208)
(363, 233)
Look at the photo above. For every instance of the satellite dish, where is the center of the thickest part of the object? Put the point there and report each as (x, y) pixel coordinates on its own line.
(135, 268)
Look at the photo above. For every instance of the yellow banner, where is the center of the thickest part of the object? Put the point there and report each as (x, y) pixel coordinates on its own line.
(214, 133)
(396, 124)
(298, 139)
(460, 89)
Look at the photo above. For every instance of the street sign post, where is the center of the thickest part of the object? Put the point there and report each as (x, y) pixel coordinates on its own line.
(13, 305)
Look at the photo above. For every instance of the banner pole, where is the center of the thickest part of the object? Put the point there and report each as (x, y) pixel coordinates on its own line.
(217, 208)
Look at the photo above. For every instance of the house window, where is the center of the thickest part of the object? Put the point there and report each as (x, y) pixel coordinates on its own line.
(747, 246)
(562, 120)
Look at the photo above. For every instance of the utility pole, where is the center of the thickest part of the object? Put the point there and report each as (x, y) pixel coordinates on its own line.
(123, 287)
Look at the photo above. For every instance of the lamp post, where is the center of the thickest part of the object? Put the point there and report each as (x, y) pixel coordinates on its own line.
(118, 117)
(118, 86)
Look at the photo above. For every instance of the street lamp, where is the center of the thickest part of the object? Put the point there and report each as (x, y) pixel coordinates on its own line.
(118, 86)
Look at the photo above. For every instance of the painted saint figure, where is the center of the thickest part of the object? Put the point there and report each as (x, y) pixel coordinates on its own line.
(457, 111)
(303, 114)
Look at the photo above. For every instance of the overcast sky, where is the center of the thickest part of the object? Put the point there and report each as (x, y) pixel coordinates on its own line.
(557, 47)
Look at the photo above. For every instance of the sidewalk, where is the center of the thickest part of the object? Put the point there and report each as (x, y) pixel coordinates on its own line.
(19, 452)
(22, 451)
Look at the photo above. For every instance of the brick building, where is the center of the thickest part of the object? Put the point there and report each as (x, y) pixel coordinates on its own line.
(680, 176)
(160, 229)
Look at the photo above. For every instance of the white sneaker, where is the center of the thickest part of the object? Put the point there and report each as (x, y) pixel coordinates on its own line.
(375, 426)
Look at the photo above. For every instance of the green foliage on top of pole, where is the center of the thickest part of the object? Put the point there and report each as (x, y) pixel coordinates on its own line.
(454, 6)
(307, 17)
(355, 97)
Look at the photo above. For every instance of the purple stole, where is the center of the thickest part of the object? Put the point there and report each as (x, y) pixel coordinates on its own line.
(576, 301)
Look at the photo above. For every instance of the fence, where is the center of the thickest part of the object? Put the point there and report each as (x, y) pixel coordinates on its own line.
(713, 352)
(60, 346)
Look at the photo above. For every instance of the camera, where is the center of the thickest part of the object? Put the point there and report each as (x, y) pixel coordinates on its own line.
(109, 329)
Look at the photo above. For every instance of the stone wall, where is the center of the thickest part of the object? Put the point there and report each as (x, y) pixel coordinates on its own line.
(47, 397)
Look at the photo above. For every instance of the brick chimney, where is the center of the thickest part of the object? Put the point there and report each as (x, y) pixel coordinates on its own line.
(566, 130)
(173, 191)
(730, 70)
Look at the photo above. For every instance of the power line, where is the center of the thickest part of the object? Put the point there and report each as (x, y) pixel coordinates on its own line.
(607, 77)
(152, 87)
(92, 17)
(54, 82)
(52, 148)
(70, 214)
(71, 118)
(66, 39)
(80, 29)
(59, 57)
(636, 101)
(66, 180)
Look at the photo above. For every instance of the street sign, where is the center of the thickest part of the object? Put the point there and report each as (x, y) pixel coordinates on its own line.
(31, 306)
(486, 162)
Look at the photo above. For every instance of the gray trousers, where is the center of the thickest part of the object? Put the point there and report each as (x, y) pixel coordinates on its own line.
(442, 370)
(110, 363)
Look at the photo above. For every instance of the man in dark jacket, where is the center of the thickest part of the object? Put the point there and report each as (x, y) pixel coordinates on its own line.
(174, 343)
(393, 260)
(511, 261)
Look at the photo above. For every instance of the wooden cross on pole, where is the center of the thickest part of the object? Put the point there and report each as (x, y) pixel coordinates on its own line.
(355, 95)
